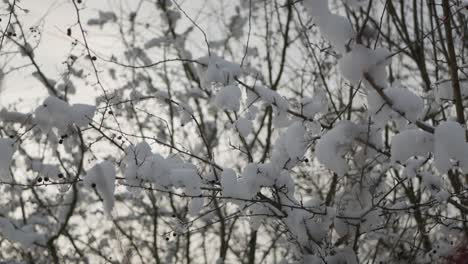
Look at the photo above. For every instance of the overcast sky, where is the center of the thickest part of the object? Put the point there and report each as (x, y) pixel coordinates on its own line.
(53, 17)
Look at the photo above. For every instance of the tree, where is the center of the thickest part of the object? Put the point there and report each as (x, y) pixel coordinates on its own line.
(249, 131)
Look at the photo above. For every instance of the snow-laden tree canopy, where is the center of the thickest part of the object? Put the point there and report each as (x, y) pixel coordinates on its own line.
(244, 131)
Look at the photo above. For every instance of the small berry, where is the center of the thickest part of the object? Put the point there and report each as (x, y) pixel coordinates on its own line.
(174, 234)
(78, 1)
(173, 215)
(167, 239)
(111, 113)
(12, 136)
(68, 31)
(46, 178)
(39, 179)
(60, 175)
(93, 185)
(93, 58)
(60, 141)
(119, 137)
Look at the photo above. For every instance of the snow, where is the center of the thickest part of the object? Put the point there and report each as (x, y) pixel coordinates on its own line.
(411, 142)
(304, 228)
(289, 148)
(296, 144)
(443, 90)
(333, 146)
(135, 156)
(218, 70)
(463, 7)
(432, 183)
(316, 8)
(450, 143)
(404, 101)
(412, 166)
(6, 154)
(44, 170)
(55, 112)
(341, 227)
(314, 105)
(15, 117)
(281, 118)
(343, 256)
(104, 17)
(251, 179)
(229, 183)
(102, 177)
(25, 236)
(311, 259)
(244, 126)
(186, 113)
(142, 165)
(195, 206)
(336, 29)
(269, 96)
(362, 60)
(82, 114)
(228, 98)
(185, 176)
(356, 3)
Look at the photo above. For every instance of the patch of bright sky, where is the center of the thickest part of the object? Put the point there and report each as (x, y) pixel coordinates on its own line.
(53, 17)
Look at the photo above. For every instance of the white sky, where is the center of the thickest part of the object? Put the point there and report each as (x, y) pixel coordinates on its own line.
(53, 18)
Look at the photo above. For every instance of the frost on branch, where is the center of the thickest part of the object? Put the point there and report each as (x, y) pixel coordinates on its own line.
(7, 149)
(102, 178)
